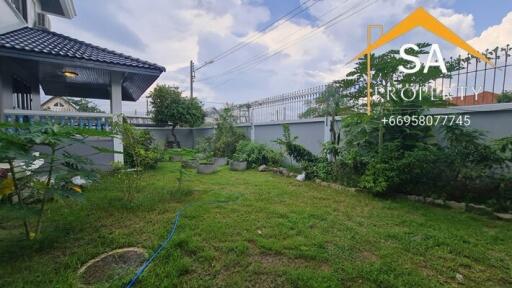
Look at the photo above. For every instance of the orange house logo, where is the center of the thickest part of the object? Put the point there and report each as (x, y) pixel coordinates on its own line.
(419, 18)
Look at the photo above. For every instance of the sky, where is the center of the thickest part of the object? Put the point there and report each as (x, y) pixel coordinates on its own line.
(173, 32)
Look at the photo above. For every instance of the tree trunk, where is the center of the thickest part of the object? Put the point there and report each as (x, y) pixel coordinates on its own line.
(176, 141)
(333, 136)
(46, 192)
(20, 198)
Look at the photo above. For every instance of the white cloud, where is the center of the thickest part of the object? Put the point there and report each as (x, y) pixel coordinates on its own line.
(462, 24)
(497, 35)
(174, 32)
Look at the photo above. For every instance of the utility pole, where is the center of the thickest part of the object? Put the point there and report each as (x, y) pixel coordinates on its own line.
(192, 78)
(193, 70)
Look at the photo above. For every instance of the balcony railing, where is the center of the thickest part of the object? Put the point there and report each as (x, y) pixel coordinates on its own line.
(99, 121)
(139, 120)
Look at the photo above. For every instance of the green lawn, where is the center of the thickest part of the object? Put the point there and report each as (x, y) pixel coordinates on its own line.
(276, 232)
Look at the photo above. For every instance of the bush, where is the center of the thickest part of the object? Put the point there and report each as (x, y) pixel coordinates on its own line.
(320, 168)
(139, 149)
(227, 136)
(421, 171)
(296, 151)
(205, 146)
(257, 154)
(383, 173)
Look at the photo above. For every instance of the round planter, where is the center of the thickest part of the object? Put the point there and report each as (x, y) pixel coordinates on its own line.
(237, 165)
(190, 164)
(108, 266)
(176, 158)
(208, 168)
(220, 161)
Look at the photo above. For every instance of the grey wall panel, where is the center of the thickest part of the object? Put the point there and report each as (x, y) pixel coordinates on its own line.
(185, 136)
(200, 133)
(102, 161)
(160, 135)
(495, 124)
(310, 134)
(246, 130)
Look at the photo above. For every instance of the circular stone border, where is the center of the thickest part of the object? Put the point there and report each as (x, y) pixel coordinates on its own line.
(104, 255)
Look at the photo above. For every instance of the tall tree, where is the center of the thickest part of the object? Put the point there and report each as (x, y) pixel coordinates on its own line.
(171, 108)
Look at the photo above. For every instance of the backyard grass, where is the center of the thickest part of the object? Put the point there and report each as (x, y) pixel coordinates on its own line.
(269, 231)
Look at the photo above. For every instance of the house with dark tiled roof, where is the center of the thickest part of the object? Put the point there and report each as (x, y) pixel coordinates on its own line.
(33, 59)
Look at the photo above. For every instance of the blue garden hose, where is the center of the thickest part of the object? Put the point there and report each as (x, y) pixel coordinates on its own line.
(170, 235)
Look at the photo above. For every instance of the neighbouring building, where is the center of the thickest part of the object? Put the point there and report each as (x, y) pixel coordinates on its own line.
(34, 59)
(482, 98)
(211, 115)
(58, 104)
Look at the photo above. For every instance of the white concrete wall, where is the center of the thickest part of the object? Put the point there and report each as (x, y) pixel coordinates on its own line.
(9, 19)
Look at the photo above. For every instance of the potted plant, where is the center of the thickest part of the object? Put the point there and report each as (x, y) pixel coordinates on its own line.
(235, 165)
(190, 163)
(206, 168)
(176, 158)
(220, 161)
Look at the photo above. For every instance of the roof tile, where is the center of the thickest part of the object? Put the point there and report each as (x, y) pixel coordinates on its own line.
(55, 44)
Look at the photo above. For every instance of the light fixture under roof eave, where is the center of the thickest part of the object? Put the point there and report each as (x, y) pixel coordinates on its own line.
(69, 74)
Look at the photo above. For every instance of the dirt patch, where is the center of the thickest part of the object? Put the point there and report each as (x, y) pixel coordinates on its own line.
(111, 265)
(278, 260)
(367, 256)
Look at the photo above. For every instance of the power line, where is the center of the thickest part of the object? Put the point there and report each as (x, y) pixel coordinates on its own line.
(263, 57)
(287, 45)
(272, 26)
(267, 29)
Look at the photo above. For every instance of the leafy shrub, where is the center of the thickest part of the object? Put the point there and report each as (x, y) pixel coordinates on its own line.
(314, 166)
(321, 168)
(226, 135)
(473, 164)
(421, 171)
(139, 149)
(257, 154)
(296, 151)
(205, 146)
(383, 172)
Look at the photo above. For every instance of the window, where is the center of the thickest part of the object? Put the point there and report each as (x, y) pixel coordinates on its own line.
(58, 104)
(21, 6)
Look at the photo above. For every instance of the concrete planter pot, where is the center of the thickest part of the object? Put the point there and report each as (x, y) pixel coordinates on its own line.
(190, 164)
(220, 161)
(237, 165)
(176, 158)
(206, 168)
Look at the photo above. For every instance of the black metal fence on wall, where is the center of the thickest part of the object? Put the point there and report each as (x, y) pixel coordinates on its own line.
(474, 76)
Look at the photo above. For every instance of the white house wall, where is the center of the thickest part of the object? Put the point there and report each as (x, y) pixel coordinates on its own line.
(9, 18)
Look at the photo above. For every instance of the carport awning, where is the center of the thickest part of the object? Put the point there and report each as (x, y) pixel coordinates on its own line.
(55, 53)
